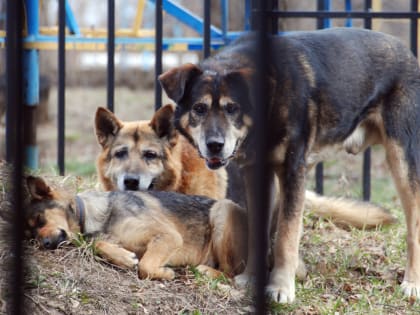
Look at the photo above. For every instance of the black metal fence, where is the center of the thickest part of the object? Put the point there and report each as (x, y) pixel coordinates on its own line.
(265, 16)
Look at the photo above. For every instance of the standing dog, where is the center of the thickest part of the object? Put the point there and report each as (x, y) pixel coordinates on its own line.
(152, 155)
(340, 87)
(145, 230)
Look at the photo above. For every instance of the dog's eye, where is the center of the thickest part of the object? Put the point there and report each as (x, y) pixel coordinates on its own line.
(200, 109)
(231, 108)
(150, 155)
(121, 154)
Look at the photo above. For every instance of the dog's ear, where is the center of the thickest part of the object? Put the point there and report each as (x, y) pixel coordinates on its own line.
(163, 122)
(175, 81)
(38, 189)
(106, 126)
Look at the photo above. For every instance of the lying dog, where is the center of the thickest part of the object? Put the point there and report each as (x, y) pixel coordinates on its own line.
(146, 155)
(348, 88)
(145, 230)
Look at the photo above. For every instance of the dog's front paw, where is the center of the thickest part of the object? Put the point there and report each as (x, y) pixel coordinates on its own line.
(411, 289)
(244, 280)
(279, 294)
(129, 259)
(281, 287)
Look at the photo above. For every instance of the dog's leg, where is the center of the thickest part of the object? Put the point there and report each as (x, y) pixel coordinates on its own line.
(409, 192)
(281, 287)
(229, 236)
(247, 277)
(116, 255)
(157, 255)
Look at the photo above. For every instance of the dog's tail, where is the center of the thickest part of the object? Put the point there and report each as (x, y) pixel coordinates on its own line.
(347, 212)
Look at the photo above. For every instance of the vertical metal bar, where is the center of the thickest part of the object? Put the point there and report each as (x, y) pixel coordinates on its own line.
(14, 135)
(348, 8)
(414, 27)
(206, 30)
(366, 174)
(319, 178)
(225, 17)
(327, 7)
(248, 15)
(31, 86)
(367, 155)
(368, 20)
(274, 23)
(158, 53)
(61, 84)
(261, 170)
(319, 168)
(320, 6)
(111, 54)
(253, 10)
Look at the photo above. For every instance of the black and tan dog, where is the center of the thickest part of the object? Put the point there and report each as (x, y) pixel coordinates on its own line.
(150, 231)
(346, 88)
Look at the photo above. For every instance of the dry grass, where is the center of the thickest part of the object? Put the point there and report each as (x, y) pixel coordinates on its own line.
(72, 280)
(350, 272)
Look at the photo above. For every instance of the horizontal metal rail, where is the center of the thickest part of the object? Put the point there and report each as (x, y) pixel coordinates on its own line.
(74, 42)
(344, 14)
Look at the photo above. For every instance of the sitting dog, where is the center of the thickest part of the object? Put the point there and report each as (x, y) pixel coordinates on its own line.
(145, 230)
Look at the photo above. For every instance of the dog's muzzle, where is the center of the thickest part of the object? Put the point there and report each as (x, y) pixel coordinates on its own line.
(52, 242)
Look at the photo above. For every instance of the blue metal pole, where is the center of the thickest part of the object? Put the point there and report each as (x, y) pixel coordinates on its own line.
(31, 85)
(327, 7)
(248, 8)
(349, 21)
(71, 20)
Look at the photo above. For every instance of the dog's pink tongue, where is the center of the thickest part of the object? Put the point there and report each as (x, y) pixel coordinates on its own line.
(214, 160)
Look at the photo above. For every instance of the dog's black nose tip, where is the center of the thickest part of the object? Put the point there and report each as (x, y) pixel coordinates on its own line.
(47, 243)
(131, 183)
(215, 146)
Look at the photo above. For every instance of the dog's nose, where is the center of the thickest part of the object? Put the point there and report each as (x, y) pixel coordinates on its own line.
(131, 183)
(47, 243)
(215, 145)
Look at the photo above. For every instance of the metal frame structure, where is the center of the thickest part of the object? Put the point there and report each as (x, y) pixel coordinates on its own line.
(22, 67)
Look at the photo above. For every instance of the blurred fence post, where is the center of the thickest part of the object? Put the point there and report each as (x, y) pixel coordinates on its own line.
(15, 153)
